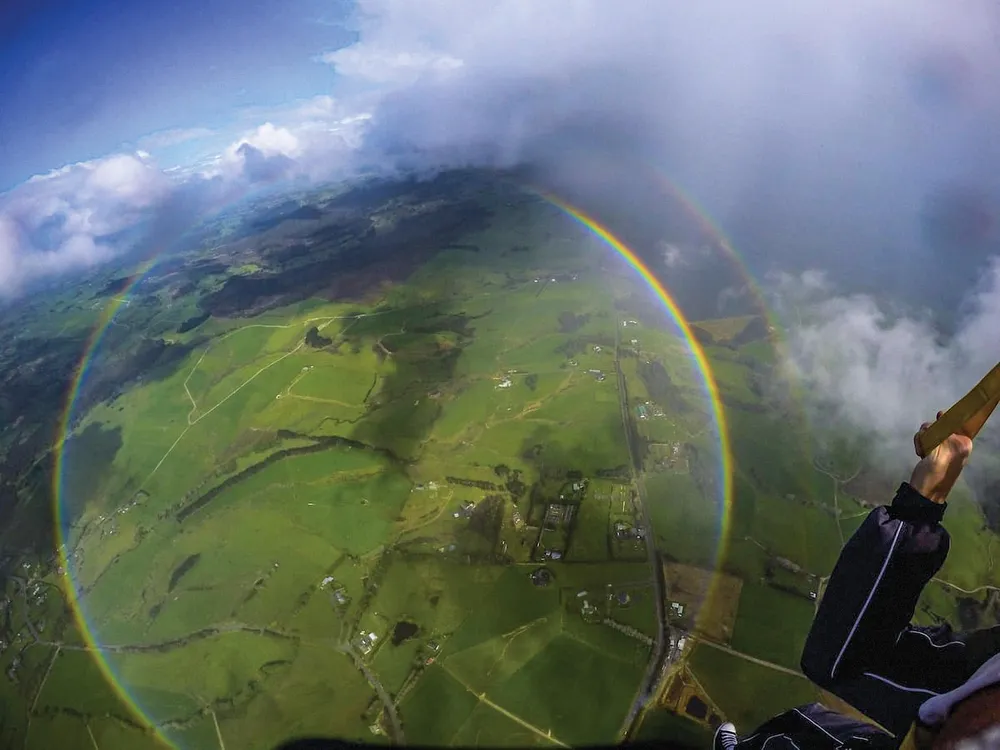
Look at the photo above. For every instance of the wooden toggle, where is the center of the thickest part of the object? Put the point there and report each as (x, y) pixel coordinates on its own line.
(966, 417)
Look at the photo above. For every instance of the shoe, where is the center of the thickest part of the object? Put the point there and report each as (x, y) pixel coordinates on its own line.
(725, 737)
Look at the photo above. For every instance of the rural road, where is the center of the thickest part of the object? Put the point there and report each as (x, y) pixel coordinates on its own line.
(383, 694)
(647, 687)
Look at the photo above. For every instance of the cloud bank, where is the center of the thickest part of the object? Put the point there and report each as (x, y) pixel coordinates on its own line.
(811, 131)
(64, 220)
(830, 92)
(879, 370)
(854, 137)
(88, 213)
(858, 138)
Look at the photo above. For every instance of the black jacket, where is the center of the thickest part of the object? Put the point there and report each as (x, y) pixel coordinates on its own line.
(862, 646)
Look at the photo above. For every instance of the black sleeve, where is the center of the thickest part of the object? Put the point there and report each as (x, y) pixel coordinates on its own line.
(873, 590)
(862, 646)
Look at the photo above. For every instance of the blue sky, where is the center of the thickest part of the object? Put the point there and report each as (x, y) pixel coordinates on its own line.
(81, 79)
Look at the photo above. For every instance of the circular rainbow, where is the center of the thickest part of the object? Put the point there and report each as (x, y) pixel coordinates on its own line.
(593, 226)
(702, 364)
(707, 224)
(58, 494)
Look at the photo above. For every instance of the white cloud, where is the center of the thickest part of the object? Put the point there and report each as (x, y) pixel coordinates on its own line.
(126, 178)
(673, 256)
(733, 300)
(66, 220)
(676, 255)
(821, 125)
(273, 140)
(814, 126)
(314, 139)
(884, 371)
(73, 217)
(266, 152)
(269, 140)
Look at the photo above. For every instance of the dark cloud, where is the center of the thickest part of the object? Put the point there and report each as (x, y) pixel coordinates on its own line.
(815, 134)
(854, 138)
(258, 167)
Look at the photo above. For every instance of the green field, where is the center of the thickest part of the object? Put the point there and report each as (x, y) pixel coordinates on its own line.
(438, 707)
(683, 518)
(748, 693)
(405, 466)
(590, 692)
(418, 397)
(772, 624)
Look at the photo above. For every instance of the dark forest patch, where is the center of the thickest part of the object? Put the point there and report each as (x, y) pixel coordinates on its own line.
(457, 324)
(290, 211)
(342, 231)
(149, 360)
(703, 336)
(579, 344)
(355, 271)
(182, 570)
(35, 394)
(755, 330)
(115, 286)
(400, 414)
(322, 443)
(290, 253)
(477, 483)
(188, 287)
(208, 267)
(324, 241)
(316, 340)
(661, 388)
(38, 373)
(87, 459)
(570, 323)
(191, 323)
(373, 193)
(487, 518)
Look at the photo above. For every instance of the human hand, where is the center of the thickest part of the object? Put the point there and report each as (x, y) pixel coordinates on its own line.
(938, 471)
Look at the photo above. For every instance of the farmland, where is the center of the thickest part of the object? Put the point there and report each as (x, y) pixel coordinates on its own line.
(396, 490)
